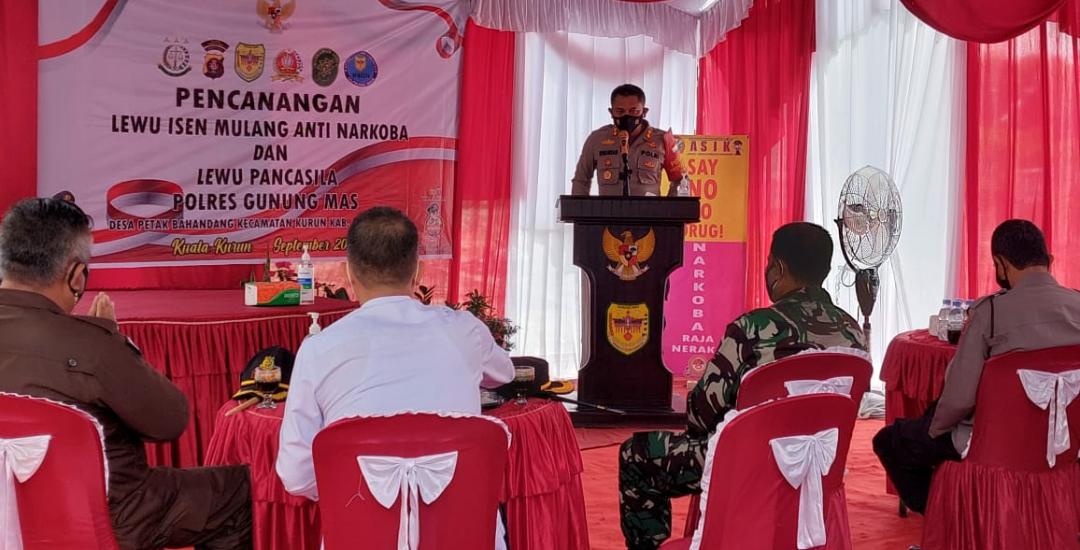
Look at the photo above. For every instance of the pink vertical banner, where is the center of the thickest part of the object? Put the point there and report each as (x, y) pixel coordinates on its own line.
(709, 290)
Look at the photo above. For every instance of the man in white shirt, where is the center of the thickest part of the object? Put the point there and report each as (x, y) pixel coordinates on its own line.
(393, 354)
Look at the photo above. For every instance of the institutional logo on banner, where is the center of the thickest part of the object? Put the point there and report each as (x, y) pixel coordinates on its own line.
(287, 66)
(324, 66)
(628, 327)
(175, 60)
(214, 59)
(274, 13)
(361, 69)
(629, 254)
(250, 60)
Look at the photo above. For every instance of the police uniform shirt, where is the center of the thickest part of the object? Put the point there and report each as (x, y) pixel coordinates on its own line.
(600, 155)
(1037, 313)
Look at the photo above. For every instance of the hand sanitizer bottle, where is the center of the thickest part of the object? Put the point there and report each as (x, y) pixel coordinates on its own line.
(305, 275)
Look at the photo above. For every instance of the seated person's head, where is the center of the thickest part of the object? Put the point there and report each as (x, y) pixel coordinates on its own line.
(383, 253)
(45, 248)
(799, 257)
(1018, 247)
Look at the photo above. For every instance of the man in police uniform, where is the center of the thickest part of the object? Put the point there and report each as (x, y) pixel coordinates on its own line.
(655, 466)
(1033, 312)
(85, 361)
(648, 150)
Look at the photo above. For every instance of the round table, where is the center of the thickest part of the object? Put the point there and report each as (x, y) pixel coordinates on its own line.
(201, 340)
(545, 506)
(914, 373)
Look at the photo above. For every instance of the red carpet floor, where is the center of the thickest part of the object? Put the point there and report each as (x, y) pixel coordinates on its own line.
(872, 514)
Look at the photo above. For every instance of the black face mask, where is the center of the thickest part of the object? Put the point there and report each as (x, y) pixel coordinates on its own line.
(1003, 282)
(769, 287)
(627, 122)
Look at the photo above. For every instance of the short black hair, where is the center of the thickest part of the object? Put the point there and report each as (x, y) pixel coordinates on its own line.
(383, 247)
(39, 236)
(1021, 243)
(628, 90)
(806, 249)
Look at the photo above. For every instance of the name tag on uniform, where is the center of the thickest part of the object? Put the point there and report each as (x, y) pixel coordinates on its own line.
(608, 153)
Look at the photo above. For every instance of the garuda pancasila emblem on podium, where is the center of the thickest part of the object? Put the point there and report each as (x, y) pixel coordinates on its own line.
(629, 255)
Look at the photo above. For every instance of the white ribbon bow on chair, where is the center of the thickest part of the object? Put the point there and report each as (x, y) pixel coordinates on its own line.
(423, 476)
(839, 384)
(20, 458)
(803, 461)
(1052, 392)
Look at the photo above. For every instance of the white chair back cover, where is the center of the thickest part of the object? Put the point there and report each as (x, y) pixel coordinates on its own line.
(1052, 392)
(20, 458)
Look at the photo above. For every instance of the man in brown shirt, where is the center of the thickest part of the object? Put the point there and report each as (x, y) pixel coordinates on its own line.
(1033, 312)
(648, 150)
(85, 361)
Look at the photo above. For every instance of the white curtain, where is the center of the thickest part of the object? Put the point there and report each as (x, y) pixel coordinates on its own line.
(887, 91)
(562, 91)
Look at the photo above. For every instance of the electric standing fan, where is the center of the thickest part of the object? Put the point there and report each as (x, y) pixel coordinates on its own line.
(869, 219)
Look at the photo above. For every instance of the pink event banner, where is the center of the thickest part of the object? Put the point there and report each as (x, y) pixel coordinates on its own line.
(709, 290)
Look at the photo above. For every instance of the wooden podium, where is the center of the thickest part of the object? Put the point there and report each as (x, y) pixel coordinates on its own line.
(627, 247)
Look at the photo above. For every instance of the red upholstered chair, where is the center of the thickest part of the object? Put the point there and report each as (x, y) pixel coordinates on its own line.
(1005, 495)
(750, 505)
(463, 515)
(767, 381)
(62, 505)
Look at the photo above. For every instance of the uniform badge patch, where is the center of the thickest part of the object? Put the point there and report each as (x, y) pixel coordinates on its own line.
(361, 69)
(324, 66)
(214, 59)
(628, 254)
(607, 174)
(287, 66)
(250, 61)
(628, 327)
(175, 60)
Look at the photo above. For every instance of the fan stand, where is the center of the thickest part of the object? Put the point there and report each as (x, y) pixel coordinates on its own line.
(866, 290)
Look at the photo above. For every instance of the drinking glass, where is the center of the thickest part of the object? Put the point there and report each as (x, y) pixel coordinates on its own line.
(267, 382)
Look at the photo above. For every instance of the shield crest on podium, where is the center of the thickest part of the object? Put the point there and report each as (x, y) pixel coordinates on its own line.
(628, 327)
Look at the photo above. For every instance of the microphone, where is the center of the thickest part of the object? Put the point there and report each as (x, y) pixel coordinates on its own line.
(624, 150)
(624, 142)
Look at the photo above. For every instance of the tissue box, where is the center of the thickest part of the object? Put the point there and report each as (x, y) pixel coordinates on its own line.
(272, 294)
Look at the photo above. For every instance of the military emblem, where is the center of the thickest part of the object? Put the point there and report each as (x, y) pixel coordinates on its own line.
(607, 174)
(274, 13)
(607, 142)
(629, 254)
(250, 60)
(287, 66)
(324, 67)
(628, 327)
(214, 59)
(361, 69)
(175, 60)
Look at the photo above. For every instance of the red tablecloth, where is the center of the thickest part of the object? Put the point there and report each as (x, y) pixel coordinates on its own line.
(914, 373)
(545, 506)
(280, 521)
(201, 340)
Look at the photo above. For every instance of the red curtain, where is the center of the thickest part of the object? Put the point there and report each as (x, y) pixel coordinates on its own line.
(1023, 150)
(757, 82)
(18, 101)
(482, 179)
(983, 20)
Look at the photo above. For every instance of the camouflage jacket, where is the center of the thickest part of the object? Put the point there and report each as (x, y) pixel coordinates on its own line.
(802, 320)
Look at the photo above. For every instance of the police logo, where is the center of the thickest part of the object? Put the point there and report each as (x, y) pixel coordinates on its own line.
(287, 66)
(361, 69)
(250, 60)
(607, 174)
(175, 60)
(214, 59)
(324, 67)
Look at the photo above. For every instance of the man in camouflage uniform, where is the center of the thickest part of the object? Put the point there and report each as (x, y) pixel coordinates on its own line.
(648, 150)
(655, 466)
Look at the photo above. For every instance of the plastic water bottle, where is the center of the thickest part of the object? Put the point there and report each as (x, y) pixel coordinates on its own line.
(305, 275)
(956, 322)
(942, 319)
